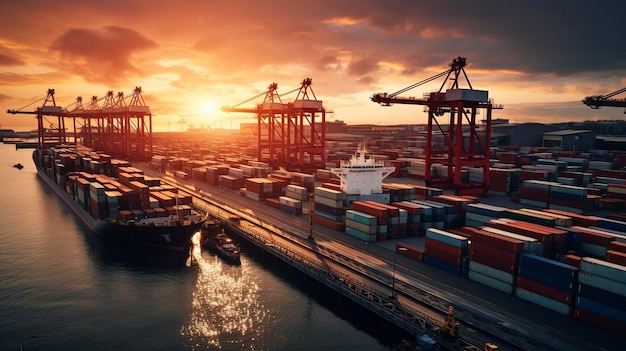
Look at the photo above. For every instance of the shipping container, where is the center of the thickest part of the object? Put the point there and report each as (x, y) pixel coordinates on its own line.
(490, 282)
(543, 301)
(604, 269)
(447, 237)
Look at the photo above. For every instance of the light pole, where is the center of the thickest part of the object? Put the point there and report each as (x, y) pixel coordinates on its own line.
(393, 275)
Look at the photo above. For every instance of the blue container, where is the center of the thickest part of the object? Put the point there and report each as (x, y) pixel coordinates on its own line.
(559, 283)
(330, 210)
(438, 210)
(574, 239)
(612, 224)
(548, 266)
(361, 217)
(486, 210)
(465, 262)
(443, 265)
(601, 309)
(335, 218)
(607, 297)
(555, 194)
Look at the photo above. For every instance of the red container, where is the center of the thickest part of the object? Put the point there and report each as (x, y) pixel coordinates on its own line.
(572, 260)
(577, 219)
(544, 290)
(617, 246)
(498, 241)
(506, 265)
(615, 257)
(392, 211)
(520, 227)
(599, 321)
(443, 251)
(370, 209)
(409, 207)
(594, 237)
(338, 226)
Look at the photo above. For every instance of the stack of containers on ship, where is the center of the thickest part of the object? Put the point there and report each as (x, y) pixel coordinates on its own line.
(447, 251)
(329, 210)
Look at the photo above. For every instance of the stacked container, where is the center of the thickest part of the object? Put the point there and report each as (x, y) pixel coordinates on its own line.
(329, 209)
(297, 192)
(382, 214)
(601, 297)
(413, 214)
(569, 198)
(290, 205)
(503, 181)
(493, 260)
(396, 221)
(553, 240)
(535, 193)
(361, 225)
(478, 214)
(546, 282)
(433, 214)
(446, 251)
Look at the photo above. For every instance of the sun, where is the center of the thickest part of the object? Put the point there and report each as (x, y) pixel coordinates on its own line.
(208, 107)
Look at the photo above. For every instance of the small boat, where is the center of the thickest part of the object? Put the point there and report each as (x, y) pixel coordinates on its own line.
(18, 166)
(227, 249)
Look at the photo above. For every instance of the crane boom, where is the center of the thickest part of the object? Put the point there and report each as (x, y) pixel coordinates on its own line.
(597, 101)
(456, 67)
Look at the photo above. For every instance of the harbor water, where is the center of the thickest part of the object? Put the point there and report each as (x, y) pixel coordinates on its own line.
(63, 288)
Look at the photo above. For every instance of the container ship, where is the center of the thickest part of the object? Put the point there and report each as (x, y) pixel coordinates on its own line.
(117, 201)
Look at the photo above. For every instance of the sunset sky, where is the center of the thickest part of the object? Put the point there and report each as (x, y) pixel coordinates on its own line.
(537, 58)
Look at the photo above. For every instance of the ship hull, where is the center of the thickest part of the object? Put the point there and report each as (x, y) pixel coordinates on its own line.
(166, 238)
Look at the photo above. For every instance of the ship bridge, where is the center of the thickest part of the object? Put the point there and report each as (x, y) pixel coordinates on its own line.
(360, 175)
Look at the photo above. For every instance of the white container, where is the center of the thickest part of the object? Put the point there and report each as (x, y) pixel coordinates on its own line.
(490, 282)
(491, 272)
(543, 301)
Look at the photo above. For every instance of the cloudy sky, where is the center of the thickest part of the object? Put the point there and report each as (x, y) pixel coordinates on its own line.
(538, 58)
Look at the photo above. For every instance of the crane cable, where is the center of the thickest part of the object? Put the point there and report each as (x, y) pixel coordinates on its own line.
(420, 83)
(609, 95)
(19, 109)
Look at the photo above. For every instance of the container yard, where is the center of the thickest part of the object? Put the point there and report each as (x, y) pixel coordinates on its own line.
(539, 223)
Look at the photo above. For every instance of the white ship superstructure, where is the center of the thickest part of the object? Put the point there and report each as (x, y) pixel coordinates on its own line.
(360, 175)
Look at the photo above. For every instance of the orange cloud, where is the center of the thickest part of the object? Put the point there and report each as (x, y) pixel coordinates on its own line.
(100, 55)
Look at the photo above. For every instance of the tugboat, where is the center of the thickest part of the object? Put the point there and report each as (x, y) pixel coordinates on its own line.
(227, 249)
(218, 242)
(18, 166)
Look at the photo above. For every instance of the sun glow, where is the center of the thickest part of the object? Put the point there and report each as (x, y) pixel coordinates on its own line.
(208, 107)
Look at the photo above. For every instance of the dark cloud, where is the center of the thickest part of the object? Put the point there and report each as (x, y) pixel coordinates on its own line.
(6, 60)
(100, 55)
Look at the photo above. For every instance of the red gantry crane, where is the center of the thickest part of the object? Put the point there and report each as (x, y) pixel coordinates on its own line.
(117, 128)
(464, 143)
(597, 101)
(288, 133)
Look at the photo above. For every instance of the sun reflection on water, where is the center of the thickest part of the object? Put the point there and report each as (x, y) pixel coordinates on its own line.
(226, 311)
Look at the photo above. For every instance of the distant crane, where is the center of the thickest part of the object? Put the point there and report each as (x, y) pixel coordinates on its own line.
(455, 146)
(288, 133)
(117, 128)
(596, 101)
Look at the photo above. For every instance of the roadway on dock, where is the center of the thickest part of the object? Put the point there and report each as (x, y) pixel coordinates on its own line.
(477, 307)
